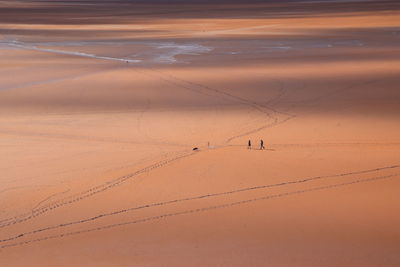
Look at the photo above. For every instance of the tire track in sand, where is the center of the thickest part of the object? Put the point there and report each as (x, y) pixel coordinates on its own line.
(90, 192)
(264, 108)
(156, 204)
(209, 208)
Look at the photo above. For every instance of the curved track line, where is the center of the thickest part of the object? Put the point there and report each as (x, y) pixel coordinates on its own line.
(90, 192)
(209, 208)
(263, 108)
(197, 197)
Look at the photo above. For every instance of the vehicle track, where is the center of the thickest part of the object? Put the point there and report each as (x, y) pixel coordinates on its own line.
(270, 112)
(209, 208)
(205, 196)
(90, 192)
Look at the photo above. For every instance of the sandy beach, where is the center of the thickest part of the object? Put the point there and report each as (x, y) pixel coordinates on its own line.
(102, 103)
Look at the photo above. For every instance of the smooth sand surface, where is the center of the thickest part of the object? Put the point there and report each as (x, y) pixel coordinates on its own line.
(100, 107)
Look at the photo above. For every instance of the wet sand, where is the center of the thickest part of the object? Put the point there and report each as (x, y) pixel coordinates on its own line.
(100, 109)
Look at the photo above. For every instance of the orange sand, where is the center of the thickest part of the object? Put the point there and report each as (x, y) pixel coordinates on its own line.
(96, 160)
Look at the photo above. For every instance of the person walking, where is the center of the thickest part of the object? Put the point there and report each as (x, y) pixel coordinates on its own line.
(262, 145)
(249, 145)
